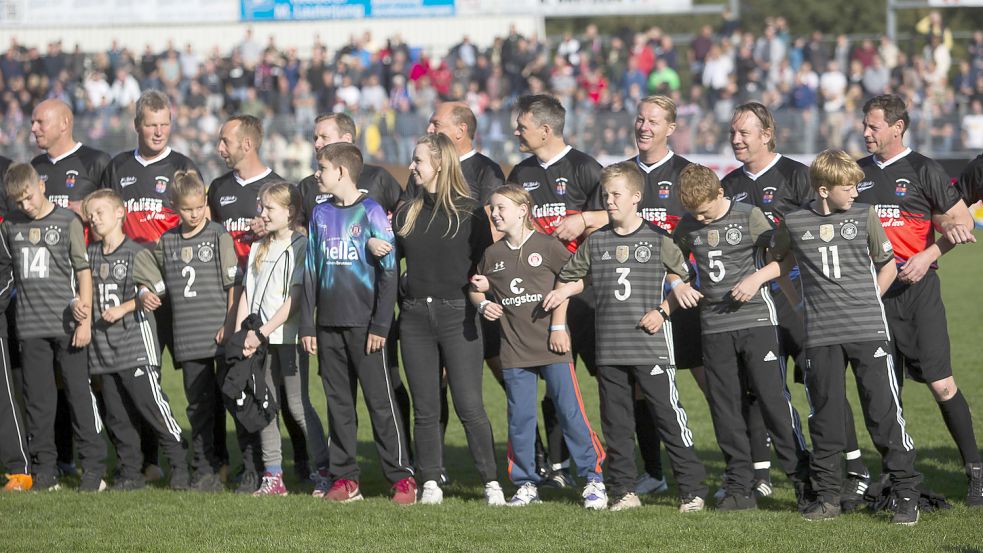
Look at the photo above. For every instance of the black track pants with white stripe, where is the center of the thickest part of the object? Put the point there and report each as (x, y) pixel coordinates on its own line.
(877, 386)
(13, 437)
(40, 358)
(344, 366)
(133, 395)
(616, 385)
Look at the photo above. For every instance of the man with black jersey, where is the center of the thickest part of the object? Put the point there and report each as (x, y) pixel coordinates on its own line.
(655, 121)
(970, 183)
(563, 183)
(378, 184)
(909, 190)
(70, 170)
(141, 177)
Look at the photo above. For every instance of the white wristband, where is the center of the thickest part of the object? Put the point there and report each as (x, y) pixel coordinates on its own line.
(557, 327)
(675, 283)
(482, 306)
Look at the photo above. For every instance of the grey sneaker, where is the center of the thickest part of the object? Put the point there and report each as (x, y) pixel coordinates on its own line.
(647, 483)
(821, 510)
(625, 502)
(905, 511)
(208, 483)
(692, 505)
(737, 503)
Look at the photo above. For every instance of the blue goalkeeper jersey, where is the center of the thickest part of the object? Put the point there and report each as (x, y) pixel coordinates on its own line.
(343, 282)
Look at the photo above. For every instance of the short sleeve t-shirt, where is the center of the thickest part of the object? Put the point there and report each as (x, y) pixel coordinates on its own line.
(281, 268)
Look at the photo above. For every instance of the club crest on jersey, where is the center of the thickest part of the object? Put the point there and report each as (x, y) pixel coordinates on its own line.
(621, 254)
(826, 232)
(119, 270)
(768, 194)
(160, 185)
(355, 231)
(104, 271)
(70, 178)
(205, 252)
(849, 230)
(901, 187)
(187, 254)
(34, 236)
(733, 236)
(643, 253)
(535, 259)
(530, 186)
(664, 187)
(713, 238)
(560, 186)
(259, 206)
(52, 236)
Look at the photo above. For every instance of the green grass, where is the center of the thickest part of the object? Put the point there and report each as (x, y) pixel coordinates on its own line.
(159, 520)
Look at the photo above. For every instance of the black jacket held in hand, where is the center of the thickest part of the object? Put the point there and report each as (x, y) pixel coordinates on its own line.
(250, 401)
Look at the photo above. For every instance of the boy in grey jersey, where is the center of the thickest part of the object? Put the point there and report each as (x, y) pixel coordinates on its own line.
(54, 284)
(625, 261)
(740, 336)
(125, 351)
(846, 261)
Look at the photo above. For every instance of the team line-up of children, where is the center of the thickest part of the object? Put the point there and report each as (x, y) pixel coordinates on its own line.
(331, 288)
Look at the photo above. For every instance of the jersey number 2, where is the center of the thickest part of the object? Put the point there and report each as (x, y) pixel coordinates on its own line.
(188, 272)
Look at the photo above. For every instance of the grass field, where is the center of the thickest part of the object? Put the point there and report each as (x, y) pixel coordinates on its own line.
(160, 520)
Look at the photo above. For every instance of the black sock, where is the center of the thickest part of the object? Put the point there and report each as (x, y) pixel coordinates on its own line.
(959, 421)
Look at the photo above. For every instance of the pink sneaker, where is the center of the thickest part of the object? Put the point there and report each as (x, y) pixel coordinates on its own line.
(322, 483)
(272, 485)
(344, 491)
(404, 491)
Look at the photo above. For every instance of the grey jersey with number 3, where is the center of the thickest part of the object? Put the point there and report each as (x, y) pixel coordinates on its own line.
(132, 340)
(726, 251)
(198, 272)
(836, 255)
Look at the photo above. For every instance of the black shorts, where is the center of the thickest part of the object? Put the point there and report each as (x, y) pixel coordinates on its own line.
(687, 338)
(580, 321)
(491, 336)
(916, 319)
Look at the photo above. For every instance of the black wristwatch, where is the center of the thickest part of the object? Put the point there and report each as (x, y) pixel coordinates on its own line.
(662, 313)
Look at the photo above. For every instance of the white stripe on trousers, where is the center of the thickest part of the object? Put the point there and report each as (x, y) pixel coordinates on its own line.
(4, 359)
(392, 409)
(684, 432)
(165, 409)
(906, 440)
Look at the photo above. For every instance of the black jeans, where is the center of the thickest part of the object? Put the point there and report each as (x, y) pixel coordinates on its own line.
(437, 333)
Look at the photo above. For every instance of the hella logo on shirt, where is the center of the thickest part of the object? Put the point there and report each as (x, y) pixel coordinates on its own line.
(127, 181)
(340, 252)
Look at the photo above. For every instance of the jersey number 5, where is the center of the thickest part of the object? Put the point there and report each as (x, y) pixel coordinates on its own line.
(717, 270)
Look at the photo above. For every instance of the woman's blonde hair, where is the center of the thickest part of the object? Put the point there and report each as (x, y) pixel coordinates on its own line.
(451, 186)
(519, 196)
(286, 195)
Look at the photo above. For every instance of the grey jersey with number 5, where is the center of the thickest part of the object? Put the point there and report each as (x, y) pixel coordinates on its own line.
(46, 253)
(132, 340)
(726, 251)
(198, 272)
(836, 255)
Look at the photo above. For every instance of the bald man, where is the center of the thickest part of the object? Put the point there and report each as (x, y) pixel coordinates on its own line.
(70, 170)
(457, 122)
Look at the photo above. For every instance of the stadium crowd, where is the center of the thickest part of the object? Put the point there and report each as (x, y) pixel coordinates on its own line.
(813, 84)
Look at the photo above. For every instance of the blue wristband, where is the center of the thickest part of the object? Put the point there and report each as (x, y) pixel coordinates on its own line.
(675, 283)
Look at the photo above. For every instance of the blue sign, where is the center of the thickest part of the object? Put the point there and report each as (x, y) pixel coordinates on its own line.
(299, 10)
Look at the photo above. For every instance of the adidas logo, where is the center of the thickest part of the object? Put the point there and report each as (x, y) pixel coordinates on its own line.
(606, 256)
(19, 237)
(697, 241)
(656, 370)
(808, 236)
(138, 373)
(880, 353)
(771, 356)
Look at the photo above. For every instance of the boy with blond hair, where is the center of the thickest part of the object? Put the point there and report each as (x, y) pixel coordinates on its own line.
(846, 263)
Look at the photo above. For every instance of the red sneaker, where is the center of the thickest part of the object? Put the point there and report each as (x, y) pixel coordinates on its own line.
(344, 491)
(272, 485)
(404, 491)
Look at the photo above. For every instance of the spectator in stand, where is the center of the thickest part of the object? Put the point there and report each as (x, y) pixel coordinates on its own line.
(972, 127)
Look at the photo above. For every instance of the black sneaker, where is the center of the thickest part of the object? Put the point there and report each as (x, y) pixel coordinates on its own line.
(762, 487)
(46, 483)
(974, 496)
(92, 483)
(207, 482)
(905, 511)
(822, 510)
(732, 502)
(180, 480)
(854, 488)
(129, 484)
(248, 482)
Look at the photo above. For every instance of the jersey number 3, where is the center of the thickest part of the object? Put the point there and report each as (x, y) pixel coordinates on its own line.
(623, 293)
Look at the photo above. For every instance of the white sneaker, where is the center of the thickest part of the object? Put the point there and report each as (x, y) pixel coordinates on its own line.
(595, 495)
(627, 501)
(494, 494)
(692, 505)
(527, 494)
(432, 494)
(647, 483)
